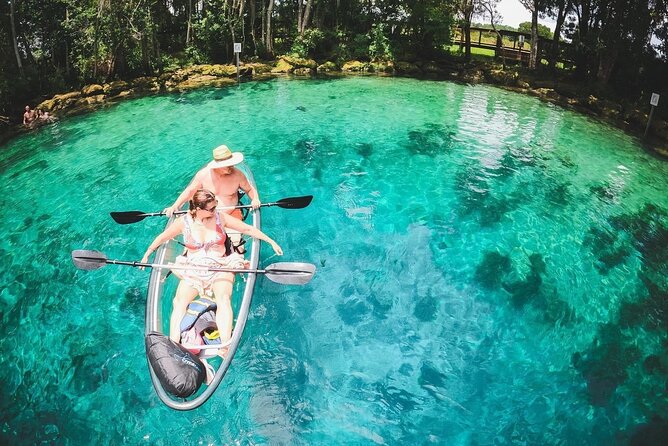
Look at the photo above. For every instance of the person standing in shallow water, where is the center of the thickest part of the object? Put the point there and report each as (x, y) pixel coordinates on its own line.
(207, 245)
(223, 179)
(28, 116)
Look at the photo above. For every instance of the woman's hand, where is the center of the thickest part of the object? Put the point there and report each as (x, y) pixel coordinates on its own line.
(169, 211)
(277, 249)
(143, 260)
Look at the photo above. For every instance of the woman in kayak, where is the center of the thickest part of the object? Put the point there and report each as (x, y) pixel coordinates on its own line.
(207, 245)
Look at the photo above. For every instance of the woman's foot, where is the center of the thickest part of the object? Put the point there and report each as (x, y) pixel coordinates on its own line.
(223, 352)
(225, 348)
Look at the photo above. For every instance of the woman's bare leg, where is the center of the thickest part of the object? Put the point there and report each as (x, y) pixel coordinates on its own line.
(222, 291)
(184, 295)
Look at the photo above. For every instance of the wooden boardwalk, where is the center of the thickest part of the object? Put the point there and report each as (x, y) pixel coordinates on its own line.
(519, 51)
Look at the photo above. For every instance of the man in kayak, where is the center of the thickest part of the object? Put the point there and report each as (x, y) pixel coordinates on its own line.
(221, 177)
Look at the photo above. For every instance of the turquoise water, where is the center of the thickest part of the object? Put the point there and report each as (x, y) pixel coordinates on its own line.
(491, 270)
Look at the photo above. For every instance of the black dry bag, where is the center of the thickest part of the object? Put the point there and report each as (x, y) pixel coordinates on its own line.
(180, 372)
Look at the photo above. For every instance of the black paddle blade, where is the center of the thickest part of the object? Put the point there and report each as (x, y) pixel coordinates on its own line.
(295, 202)
(290, 273)
(88, 260)
(128, 217)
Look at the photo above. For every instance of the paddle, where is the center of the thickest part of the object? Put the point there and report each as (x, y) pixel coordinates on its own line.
(287, 273)
(128, 217)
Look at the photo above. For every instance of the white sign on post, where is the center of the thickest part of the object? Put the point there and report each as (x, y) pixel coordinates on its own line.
(237, 47)
(655, 100)
(521, 38)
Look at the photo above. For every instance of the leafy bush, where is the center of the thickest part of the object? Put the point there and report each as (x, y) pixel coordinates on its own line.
(359, 47)
(195, 56)
(309, 44)
(379, 46)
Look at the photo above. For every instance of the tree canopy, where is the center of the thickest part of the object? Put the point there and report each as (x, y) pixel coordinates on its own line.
(543, 31)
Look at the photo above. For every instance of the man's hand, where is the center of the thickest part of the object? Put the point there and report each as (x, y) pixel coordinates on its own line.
(255, 204)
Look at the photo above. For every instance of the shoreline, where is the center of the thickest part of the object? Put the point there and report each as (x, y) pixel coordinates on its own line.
(626, 117)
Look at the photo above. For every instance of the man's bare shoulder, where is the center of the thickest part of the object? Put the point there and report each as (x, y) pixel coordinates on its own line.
(202, 173)
(240, 176)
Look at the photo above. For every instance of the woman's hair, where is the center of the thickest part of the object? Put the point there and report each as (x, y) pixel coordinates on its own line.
(200, 200)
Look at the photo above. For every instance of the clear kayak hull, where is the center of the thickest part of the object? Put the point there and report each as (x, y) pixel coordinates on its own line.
(161, 288)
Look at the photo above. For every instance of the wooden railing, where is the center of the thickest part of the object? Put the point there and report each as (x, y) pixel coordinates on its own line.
(513, 45)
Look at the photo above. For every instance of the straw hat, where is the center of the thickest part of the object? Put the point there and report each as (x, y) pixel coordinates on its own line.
(224, 157)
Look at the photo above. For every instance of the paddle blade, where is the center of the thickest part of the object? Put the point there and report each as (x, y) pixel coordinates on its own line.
(290, 273)
(88, 260)
(128, 217)
(295, 202)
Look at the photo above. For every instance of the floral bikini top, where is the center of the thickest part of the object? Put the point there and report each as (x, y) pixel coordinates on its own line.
(221, 238)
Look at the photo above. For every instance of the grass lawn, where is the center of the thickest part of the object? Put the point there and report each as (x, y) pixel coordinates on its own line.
(479, 53)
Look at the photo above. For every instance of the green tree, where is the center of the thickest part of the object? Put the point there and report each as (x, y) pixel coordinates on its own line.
(543, 31)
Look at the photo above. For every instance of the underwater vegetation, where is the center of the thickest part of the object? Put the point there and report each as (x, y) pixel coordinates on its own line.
(492, 268)
(496, 271)
(607, 248)
(522, 291)
(364, 149)
(604, 365)
(606, 192)
(649, 434)
(649, 229)
(558, 194)
(432, 140)
(305, 149)
(649, 311)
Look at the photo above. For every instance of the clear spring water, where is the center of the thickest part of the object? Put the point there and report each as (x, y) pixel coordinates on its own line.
(491, 270)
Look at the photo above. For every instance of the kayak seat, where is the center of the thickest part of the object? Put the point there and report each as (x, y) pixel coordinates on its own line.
(195, 309)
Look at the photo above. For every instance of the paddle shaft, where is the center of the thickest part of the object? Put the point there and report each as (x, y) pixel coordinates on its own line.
(219, 208)
(185, 267)
(196, 268)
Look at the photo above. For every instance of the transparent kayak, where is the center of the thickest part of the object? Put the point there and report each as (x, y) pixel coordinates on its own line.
(161, 288)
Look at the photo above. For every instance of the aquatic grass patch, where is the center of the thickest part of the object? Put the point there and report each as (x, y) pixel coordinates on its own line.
(431, 140)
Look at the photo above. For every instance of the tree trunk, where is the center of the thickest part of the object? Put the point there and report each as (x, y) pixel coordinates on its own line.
(253, 18)
(15, 42)
(67, 46)
(307, 16)
(533, 56)
(189, 23)
(607, 61)
(467, 40)
(95, 42)
(582, 58)
(269, 39)
(554, 51)
(264, 22)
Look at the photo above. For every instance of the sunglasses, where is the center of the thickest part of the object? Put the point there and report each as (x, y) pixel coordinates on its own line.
(212, 208)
